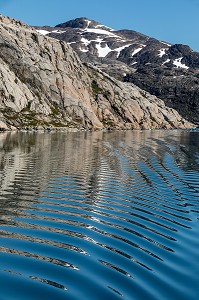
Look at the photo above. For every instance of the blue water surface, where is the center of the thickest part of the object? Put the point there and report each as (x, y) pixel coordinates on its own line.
(99, 215)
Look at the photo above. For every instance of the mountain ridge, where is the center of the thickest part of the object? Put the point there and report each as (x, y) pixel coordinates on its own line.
(127, 55)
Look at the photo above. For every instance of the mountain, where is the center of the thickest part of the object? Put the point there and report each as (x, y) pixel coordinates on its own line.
(44, 84)
(98, 43)
(170, 72)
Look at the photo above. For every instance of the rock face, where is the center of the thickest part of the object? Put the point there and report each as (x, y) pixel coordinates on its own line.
(178, 88)
(168, 71)
(44, 84)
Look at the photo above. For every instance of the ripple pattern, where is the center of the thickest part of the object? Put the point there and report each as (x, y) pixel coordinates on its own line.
(99, 215)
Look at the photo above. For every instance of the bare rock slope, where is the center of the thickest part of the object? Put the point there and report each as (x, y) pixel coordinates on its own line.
(44, 84)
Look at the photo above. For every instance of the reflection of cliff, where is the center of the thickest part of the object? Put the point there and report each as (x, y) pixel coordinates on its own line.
(17, 161)
(10, 161)
(38, 157)
(93, 160)
(188, 154)
(32, 159)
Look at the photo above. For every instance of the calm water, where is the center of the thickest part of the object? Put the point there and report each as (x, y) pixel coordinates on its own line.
(103, 215)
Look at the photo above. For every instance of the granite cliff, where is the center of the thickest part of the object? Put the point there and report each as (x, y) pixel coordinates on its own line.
(44, 85)
(167, 71)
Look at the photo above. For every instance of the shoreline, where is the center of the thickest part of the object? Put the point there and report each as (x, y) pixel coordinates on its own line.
(68, 129)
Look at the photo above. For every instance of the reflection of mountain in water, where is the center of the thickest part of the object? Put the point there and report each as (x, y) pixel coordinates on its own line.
(77, 148)
(101, 208)
(34, 159)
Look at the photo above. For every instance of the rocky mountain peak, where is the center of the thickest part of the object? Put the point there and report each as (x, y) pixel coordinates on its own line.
(80, 23)
(180, 50)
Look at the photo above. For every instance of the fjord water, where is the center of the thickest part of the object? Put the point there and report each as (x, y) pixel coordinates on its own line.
(99, 215)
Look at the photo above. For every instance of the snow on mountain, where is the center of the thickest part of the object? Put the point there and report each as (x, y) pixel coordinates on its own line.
(162, 52)
(166, 61)
(44, 32)
(136, 51)
(99, 31)
(119, 49)
(102, 51)
(99, 41)
(165, 43)
(89, 37)
(178, 64)
(103, 27)
(85, 41)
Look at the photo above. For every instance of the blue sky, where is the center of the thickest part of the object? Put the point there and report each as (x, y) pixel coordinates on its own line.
(174, 21)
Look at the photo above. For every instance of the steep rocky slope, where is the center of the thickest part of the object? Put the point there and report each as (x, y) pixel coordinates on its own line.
(178, 88)
(44, 84)
(168, 71)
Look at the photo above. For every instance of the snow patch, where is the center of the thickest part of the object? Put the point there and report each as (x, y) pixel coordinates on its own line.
(178, 64)
(85, 41)
(44, 32)
(100, 31)
(121, 48)
(165, 43)
(88, 23)
(162, 52)
(137, 50)
(98, 40)
(104, 27)
(83, 50)
(57, 31)
(103, 51)
(165, 62)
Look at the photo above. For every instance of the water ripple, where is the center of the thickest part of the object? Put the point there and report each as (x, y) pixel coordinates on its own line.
(94, 215)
